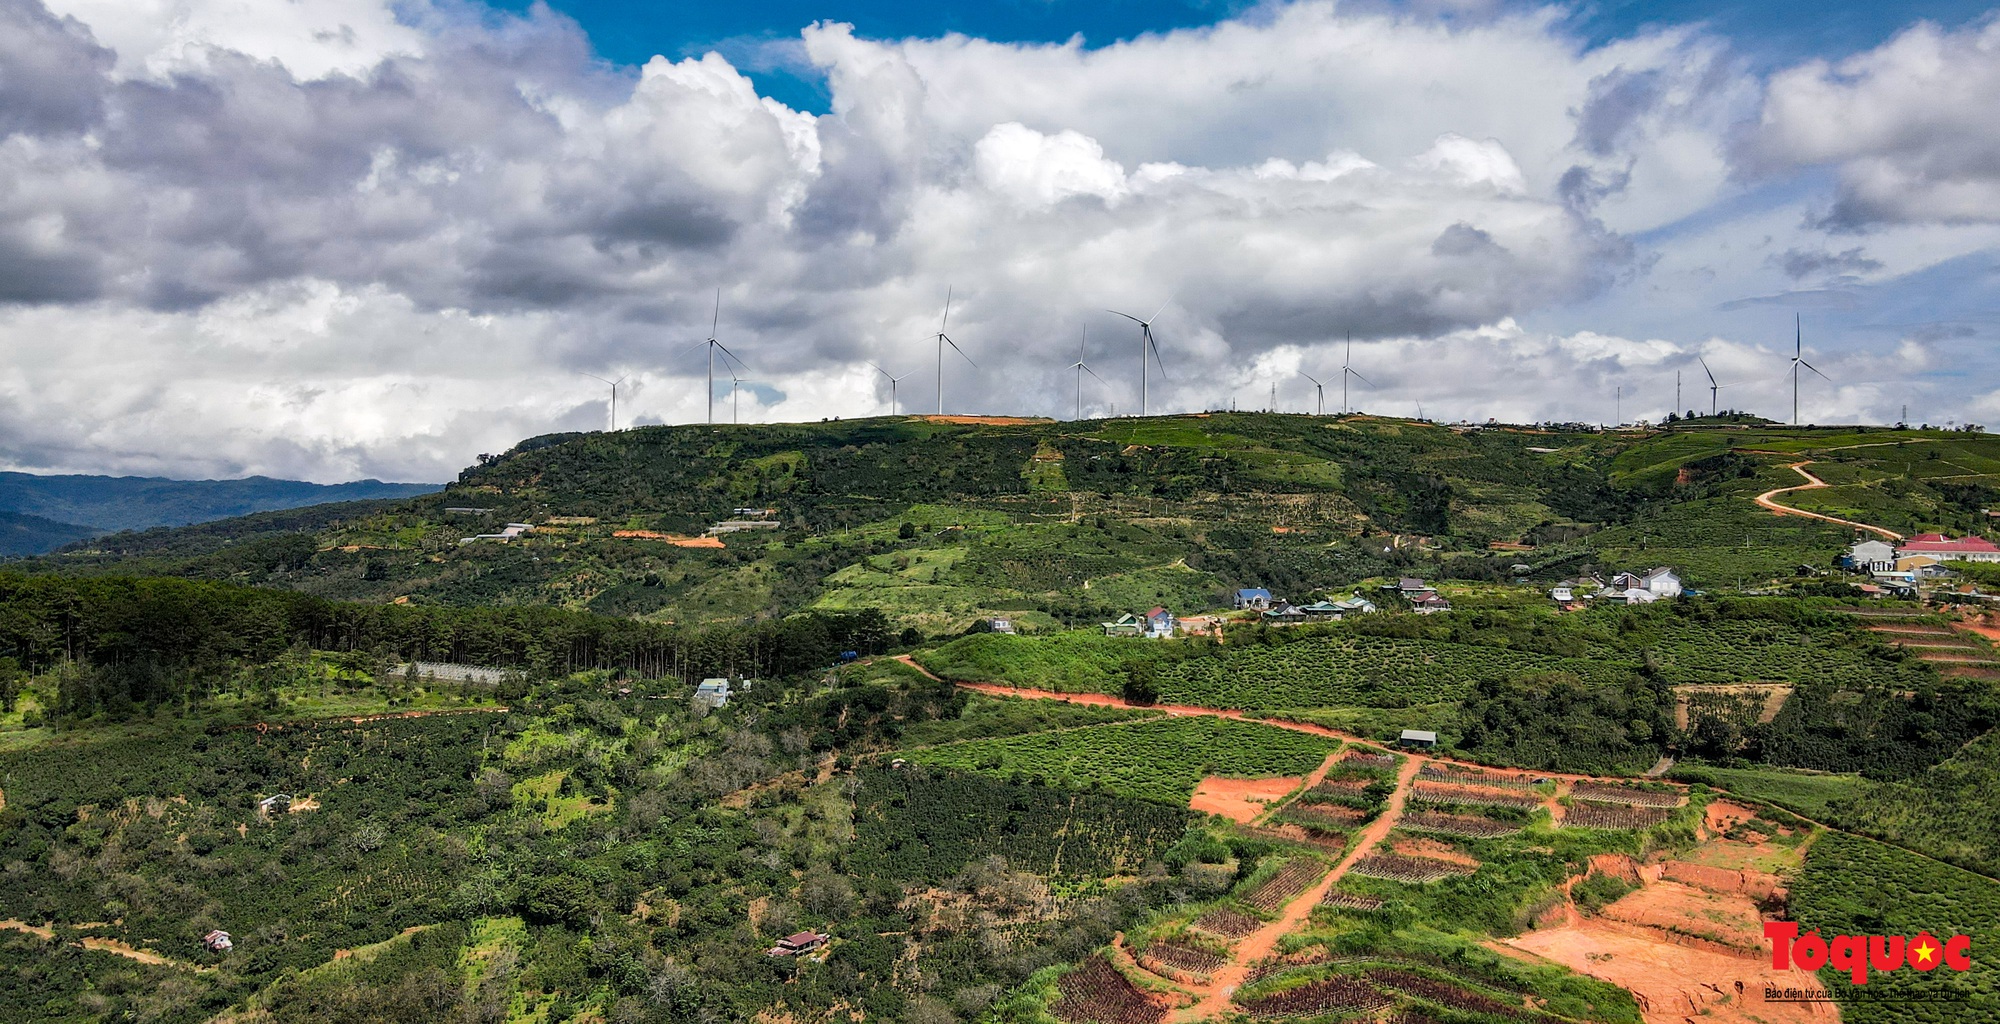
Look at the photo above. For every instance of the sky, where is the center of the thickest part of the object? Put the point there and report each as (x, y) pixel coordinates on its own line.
(334, 239)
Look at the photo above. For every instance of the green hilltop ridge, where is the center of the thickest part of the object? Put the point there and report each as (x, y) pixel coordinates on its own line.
(238, 727)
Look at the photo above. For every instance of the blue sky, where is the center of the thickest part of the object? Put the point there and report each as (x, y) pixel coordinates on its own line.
(632, 31)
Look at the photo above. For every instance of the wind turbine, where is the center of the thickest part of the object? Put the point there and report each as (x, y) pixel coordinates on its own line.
(892, 386)
(727, 356)
(733, 406)
(1146, 342)
(1798, 360)
(1713, 387)
(1347, 369)
(944, 339)
(1082, 368)
(1319, 391)
(614, 396)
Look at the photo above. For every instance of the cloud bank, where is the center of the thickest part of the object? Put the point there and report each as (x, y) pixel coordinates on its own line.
(349, 238)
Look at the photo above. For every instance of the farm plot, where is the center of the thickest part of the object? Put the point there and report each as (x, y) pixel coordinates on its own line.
(1096, 993)
(1377, 762)
(1310, 835)
(1295, 877)
(1324, 816)
(1437, 794)
(1439, 773)
(1443, 993)
(1159, 760)
(1227, 922)
(1457, 825)
(1606, 793)
(1396, 867)
(1180, 956)
(1313, 998)
(1624, 816)
(1349, 901)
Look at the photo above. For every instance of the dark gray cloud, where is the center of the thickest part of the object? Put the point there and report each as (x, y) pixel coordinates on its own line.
(51, 72)
(1803, 263)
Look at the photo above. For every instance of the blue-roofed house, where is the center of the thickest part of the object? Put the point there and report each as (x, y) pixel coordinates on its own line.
(712, 692)
(1253, 598)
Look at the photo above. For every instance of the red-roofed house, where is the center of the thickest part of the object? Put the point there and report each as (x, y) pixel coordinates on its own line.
(1938, 546)
(797, 943)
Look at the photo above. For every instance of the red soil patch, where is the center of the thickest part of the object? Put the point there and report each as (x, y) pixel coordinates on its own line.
(1240, 800)
(995, 421)
(1755, 885)
(1435, 850)
(1722, 816)
(1675, 982)
(672, 538)
(1730, 920)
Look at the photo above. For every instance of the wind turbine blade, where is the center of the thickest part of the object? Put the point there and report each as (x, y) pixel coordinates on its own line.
(942, 321)
(593, 376)
(1815, 369)
(883, 372)
(1157, 312)
(731, 355)
(1155, 346)
(955, 348)
(1364, 380)
(1310, 377)
(1706, 370)
(717, 320)
(1128, 316)
(1092, 372)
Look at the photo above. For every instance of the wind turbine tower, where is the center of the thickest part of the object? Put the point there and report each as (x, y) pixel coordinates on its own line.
(728, 358)
(1082, 368)
(1798, 360)
(1347, 370)
(1319, 393)
(892, 386)
(1713, 387)
(1146, 343)
(614, 396)
(942, 340)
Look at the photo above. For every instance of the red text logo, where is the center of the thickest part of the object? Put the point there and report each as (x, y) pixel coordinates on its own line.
(1856, 954)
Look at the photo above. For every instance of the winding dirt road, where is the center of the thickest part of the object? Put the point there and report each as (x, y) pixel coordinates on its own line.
(1769, 499)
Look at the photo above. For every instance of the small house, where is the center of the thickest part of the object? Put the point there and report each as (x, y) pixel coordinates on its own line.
(1411, 587)
(1320, 611)
(278, 803)
(798, 943)
(1871, 556)
(1356, 605)
(1284, 613)
(1127, 624)
(1160, 624)
(712, 692)
(1418, 738)
(1429, 602)
(1562, 593)
(1253, 599)
(218, 941)
(1000, 625)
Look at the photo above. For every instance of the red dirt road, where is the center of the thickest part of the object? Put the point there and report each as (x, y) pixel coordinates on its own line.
(1768, 499)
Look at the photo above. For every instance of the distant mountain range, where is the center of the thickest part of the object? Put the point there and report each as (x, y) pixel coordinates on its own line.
(41, 513)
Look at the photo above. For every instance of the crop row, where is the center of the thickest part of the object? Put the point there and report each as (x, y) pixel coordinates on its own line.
(1613, 816)
(1442, 993)
(1325, 816)
(1360, 759)
(1180, 957)
(1350, 901)
(1295, 877)
(1096, 993)
(1311, 835)
(1457, 825)
(1436, 773)
(1396, 867)
(1340, 992)
(1611, 794)
(1472, 797)
(1228, 923)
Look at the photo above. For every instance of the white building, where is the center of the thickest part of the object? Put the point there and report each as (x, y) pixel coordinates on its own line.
(712, 692)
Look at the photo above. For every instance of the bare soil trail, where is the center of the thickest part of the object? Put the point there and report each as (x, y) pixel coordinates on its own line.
(1214, 997)
(1768, 499)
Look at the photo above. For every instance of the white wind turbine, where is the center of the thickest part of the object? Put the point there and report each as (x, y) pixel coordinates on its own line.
(892, 386)
(1347, 370)
(1319, 394)
(728, 358)
(614, 396)
(944, 339)
(1798, 360)
(1082, 368)
(1713, 387)
(1146, 343)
